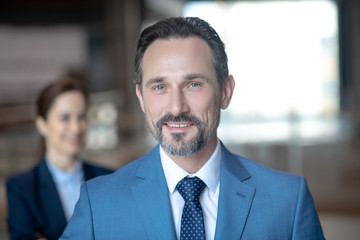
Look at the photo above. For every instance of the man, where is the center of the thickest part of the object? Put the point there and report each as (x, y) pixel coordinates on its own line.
(190, 186)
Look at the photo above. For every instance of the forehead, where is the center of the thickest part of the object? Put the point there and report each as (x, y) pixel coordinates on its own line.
(69, 99)
(166, 46)
(190, 52)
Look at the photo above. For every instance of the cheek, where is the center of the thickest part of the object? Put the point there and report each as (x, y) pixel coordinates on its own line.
(84, 127)
(55, 129)
(58, 130)
(54, 136)
(150, 116)
(205, 106)
(154, 108)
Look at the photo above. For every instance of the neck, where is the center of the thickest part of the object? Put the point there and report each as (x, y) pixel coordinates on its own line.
(64, 162)
(196, 161)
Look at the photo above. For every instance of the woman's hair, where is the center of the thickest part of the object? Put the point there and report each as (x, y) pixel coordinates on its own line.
(50, 93)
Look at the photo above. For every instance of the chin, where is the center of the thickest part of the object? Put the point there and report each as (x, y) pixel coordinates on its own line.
(73, 155)
(73, 151)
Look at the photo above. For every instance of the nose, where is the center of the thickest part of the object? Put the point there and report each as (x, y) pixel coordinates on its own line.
(77, 126)
(178, 103)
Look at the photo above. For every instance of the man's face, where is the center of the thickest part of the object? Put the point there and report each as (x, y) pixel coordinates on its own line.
(180, 94)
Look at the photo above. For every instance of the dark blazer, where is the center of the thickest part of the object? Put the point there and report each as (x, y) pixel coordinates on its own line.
(255, 202)
(34, 205)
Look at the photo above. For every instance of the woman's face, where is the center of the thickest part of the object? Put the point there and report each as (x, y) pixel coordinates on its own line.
(65, 128)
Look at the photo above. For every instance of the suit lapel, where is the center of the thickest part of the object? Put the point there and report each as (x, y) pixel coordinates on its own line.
(49, 199)
(151, 197)
(235, 198)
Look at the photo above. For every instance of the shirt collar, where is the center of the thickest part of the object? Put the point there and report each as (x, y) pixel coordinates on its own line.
(62, 176)
(209, 173)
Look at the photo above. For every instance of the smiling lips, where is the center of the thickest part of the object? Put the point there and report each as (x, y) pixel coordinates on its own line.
(179, 125)
(74, 140)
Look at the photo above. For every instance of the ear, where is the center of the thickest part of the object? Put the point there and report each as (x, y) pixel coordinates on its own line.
(139, 96)
(41, 125)
(227, 91)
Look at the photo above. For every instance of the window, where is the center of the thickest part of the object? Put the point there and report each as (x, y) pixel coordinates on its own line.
(284, 58)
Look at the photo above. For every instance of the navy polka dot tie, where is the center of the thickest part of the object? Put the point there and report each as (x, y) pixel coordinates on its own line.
(192, 221)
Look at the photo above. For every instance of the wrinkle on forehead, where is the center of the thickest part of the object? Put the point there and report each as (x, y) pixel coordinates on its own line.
(187, 57)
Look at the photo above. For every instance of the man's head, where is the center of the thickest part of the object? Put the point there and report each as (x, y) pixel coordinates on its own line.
(178, 87)
(182, 28)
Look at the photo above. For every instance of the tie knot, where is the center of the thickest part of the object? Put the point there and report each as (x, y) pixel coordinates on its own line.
(190, 188)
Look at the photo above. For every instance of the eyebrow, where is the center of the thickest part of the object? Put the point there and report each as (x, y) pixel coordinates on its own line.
(188, 77)
(154, 80)
(196, 75)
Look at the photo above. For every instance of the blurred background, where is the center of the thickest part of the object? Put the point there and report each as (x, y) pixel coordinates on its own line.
(296, 105)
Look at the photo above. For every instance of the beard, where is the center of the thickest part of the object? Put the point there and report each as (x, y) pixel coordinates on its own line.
(177, 145)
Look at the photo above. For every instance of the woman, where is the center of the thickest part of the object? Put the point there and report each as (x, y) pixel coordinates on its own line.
(41, 201)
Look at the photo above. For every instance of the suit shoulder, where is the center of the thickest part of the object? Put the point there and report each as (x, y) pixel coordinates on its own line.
(22, 183)
(24, 177)
(265, 174)
(270, 183)
(237, 164)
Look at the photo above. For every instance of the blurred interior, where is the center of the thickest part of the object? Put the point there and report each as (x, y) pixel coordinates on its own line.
(296, 109)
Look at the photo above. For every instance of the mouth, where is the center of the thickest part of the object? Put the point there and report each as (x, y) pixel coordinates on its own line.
(177, 124)
(74, 140)
(177, 127)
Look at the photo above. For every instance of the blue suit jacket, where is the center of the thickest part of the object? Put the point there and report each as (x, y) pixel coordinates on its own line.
(34, 205)
(255, 202)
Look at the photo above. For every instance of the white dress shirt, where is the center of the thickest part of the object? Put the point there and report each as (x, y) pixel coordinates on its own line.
(67, 185)
(210, 174)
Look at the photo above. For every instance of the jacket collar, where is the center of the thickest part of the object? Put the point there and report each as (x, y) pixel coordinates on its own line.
(235, 197)
(49, 199)
(151, 197)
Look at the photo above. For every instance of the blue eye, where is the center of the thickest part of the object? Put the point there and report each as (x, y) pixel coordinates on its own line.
(194, 84)
(159, 88)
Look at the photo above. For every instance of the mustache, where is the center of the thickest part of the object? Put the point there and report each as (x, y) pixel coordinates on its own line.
(181, 118)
